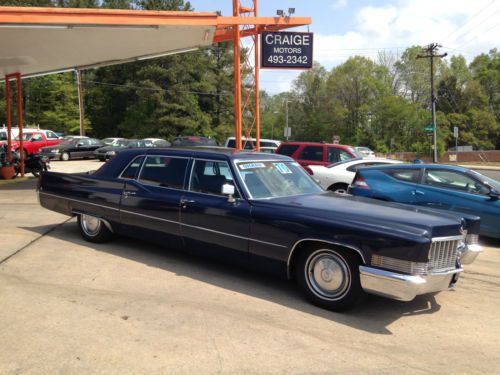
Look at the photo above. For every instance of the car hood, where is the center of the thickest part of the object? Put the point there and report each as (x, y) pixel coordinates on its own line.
(376, 215)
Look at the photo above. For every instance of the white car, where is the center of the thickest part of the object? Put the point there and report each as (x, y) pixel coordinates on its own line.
(266, 145)
(367, 153)
(338, 176)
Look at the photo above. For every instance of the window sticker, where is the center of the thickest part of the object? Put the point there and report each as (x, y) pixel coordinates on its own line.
(251, 166)
(282, 168)
(295, 164)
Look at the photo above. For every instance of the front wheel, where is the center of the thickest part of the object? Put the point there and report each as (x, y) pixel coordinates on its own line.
(93, 229)
(329, 277)
(65, 156)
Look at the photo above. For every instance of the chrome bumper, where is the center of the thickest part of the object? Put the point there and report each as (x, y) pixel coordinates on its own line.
(404, 287)
(469, 254)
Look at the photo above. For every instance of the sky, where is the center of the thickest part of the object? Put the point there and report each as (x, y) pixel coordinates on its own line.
(344, 28)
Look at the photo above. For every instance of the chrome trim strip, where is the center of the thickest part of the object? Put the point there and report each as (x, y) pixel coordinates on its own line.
(170, 221)
(448, 238)
(319, 240)
(129, 164)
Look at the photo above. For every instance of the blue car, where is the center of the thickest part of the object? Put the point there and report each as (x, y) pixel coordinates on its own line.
(438, 186)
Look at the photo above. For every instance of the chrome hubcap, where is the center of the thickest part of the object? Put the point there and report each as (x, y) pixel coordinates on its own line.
(91, 225)
(328, 275)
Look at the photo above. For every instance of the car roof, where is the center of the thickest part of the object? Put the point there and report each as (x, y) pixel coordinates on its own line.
(313, 144)
(212, 152)
(421, 166)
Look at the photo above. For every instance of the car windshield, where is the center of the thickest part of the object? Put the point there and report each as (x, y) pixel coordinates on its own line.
(493, 183)
(271, 179)
(358, 154)
(365, 149)
(26, 137)
(122, 143)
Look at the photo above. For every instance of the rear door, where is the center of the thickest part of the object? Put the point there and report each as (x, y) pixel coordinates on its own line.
(457, 191)
(394, 184)
(150, 202)
(312, 155)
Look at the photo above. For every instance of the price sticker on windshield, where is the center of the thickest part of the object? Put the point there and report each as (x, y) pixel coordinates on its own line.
(251, 166)
(282, 168)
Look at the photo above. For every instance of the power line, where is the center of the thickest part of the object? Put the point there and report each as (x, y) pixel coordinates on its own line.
(484, 32)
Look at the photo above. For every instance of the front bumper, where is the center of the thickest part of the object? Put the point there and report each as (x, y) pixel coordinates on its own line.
(404, 287)
(50, 155)
(469, 254)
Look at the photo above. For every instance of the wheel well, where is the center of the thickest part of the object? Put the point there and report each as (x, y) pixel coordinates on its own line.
(306, 245)
(337, 184)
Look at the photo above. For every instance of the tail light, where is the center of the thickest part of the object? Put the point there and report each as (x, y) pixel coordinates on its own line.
(308, 170)
(360, 182)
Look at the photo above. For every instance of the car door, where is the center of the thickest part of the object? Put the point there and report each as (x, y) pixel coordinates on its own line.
(94, 145)
(150, 202)
(311, 155)
(394, 184)
(210, 223)
(457, 191)
(81, 148)
(37, 142)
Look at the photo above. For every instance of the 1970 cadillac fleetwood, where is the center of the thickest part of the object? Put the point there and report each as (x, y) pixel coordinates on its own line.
(265, 212)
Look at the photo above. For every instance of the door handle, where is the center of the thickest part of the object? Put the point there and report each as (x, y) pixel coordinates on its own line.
(418, 192)
(126, 193)
(187, 201)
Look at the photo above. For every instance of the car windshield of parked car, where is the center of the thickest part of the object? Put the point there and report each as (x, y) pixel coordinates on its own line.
(358, 153)
(343, 162)
(122, 143)
(493, 183)
(271, 179)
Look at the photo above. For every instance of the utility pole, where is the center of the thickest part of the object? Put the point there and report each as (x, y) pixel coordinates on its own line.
(80, 101)
(431, 50)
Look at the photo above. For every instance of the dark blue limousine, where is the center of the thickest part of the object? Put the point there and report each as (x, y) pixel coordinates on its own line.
(265, 212)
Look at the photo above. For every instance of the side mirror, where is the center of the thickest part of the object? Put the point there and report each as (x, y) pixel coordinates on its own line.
(228, 189)
(494, 194)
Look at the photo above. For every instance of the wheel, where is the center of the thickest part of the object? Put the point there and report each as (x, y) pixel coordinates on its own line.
(65, 156)
(339, 188)
(93, 229)
(329, 277)
(102, 159)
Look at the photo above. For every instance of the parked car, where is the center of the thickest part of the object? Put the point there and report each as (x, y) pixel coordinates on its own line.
(49, 134)
(367, 153)
(111, 141)
(338, 176)
(34, 141)
(264, 211)
(190, 141)
(266, 145)
(440, 186)
(315, 153)
(74, 137)
(158, 142)
(74, 148)
(109, 152)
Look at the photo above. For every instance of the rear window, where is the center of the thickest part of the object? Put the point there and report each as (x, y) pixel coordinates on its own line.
(313, 153)
(287, 150)
(407, 175)
(164, 171)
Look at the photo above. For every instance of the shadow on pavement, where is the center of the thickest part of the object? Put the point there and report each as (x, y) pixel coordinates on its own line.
(373, 315)
(29, 184)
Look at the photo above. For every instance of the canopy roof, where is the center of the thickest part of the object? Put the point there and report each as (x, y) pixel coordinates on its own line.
(37, 41)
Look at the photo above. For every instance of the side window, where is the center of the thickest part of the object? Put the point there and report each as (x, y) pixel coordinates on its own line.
(314, 153)
(131, 171)
(288, 150)
(83, 142)
(454, 180)
(406, 175)
(344, 155)
(209, 176)
(336, 154)
(164, 171)
(37, 138)
(51, 135)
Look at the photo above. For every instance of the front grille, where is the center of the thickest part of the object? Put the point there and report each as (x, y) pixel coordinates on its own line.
(443, 254)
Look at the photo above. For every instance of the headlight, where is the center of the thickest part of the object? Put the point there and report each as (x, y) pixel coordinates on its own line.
(55, 151)
(111, 153)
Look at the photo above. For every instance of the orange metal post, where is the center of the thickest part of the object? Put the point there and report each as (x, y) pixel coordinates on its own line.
(20, 118)
(9, 118)
(237, 77)
(257, 94)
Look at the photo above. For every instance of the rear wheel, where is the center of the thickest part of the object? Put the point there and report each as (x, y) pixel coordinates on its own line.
(93, 229)
(329, 277)
(65, 156)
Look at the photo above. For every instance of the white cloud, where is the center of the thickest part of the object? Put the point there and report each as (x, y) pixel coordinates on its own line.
(399, 24)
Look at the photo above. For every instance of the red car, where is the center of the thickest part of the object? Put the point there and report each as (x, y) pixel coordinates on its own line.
(316, 153)
(34, 141)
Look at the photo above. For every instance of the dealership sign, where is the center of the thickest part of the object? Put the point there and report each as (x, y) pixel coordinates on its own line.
(287, 50)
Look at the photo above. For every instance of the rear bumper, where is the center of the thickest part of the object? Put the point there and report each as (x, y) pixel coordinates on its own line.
(404, 287)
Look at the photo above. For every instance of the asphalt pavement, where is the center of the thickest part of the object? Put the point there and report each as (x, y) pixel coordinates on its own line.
(129, 307)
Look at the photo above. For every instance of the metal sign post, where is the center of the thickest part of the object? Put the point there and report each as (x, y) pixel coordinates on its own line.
(455, 134)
